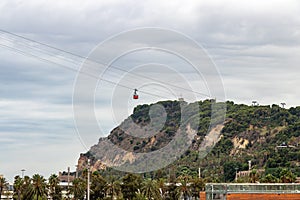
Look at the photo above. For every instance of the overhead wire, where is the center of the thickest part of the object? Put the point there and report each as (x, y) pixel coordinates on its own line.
(84, 59)
(72, 69)
(98, 62)
(112, 66)
(30, 48)
(34, 48)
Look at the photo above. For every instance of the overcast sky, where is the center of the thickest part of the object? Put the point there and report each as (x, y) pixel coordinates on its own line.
(254, 44)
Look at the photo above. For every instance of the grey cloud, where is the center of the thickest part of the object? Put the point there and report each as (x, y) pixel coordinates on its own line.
(255, 45)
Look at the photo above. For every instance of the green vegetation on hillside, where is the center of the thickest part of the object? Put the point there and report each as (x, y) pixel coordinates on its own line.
(268, 136)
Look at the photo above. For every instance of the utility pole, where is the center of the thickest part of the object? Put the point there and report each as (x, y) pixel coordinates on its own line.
(88, 180)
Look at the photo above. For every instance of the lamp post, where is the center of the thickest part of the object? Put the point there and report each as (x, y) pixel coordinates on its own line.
(68, 177)
(88, 180)
(249, 165)
(236, 169)
(76, 175)
(68, 180)
(23, 170)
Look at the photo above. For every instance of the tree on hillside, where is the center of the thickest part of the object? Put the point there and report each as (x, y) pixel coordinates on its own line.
(230, 170)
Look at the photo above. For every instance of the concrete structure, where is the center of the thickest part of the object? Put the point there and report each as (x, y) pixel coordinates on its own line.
(65, 181)
(247, 173)
(66, 176)
(7, 194)
(252, 191)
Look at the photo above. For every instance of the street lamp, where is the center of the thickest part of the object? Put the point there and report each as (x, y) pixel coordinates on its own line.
(76, 176)
(249, 164)
(23, 170)
(236, 169)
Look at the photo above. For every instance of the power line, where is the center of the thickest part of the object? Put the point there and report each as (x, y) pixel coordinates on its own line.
(93, 61)
(72, 69)
(98, 62)
(90, 74)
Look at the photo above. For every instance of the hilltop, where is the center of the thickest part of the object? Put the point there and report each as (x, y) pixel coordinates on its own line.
(267, 135)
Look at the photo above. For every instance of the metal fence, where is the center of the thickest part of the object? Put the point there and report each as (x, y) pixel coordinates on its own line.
(219, 191)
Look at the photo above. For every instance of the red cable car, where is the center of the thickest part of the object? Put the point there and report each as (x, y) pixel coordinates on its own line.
(135, 95)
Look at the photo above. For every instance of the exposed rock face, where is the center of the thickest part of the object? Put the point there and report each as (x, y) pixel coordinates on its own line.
(83, 163)
(151, 128)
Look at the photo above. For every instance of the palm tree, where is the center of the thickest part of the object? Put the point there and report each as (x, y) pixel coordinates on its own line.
(39, 186)
(3, 185)
(18, 186)
(197, 185)
(113, 187)
(286, 176)
(78, 189)
(183, 188)
(172, 191)
(150, 189)
(54, 187)
(27, 189)
(139, 196)
(97, 186)
(131, 185)
(162, 187)
(254, 176)
(269, 178)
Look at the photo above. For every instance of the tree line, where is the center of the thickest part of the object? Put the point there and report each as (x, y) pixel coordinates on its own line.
(129, 187)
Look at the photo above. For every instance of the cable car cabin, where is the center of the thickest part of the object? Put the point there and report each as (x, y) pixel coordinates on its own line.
(135, 95)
